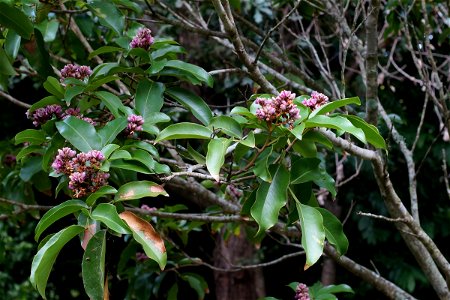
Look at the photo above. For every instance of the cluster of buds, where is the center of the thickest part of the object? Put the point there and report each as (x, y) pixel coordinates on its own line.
(74, 71)
(278, 109)
(42, 115)
(142, 39)
(134, 124)
(82, 170)
(316, 100)
(302, 292)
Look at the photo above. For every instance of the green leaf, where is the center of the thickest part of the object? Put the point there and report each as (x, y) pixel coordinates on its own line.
(104, 49)
(93, 266)
(334, 231)
(326, 181)
(313, 233)
(306, 148)
(333, 105)
(104, 190)
(261, 168)
(167, 50)
(172, 294)
(304, 170)
(199, 158)
(333, 289)
(112, 102)
(30, 167)
(120, 154)
(184, 130)
(45, 258)
(108, 149)
(12, 44)
(108, 15)
(228, 125)
(27, 150)
(336, 122)
(14, 18)
(192, 102)
(80, 134)
(49, 29)
(130, 165)
(372, 134)
(215, 157)
(44, 102)
(144, 158)
(194, 70)
(139, 189)
(31, 136)
(149, 97)
(249, 140)
(107, 214)
(197, 282)
(111, 130)
(145, 235)
(156, 117)
(56, 213)
(270, 198)
(6, 67)
(54, 87)
(297, 131)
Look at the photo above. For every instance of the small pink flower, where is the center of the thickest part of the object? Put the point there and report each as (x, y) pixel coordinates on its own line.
(302, 292)
(74, 71)
(134, 124)
(143, 39)
(278, 109)
(316, 100)
(42, 115)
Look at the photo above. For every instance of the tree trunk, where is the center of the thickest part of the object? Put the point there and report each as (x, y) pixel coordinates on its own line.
(243, 285)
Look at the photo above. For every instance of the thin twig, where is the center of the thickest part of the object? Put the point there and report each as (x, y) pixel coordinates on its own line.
(403, 220)
(14, 100)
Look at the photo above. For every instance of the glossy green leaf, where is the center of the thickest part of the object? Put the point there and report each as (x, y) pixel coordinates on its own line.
(192, 102)
(172, 294)
(27, 150)
(184, 130)
(313, 233)
(120, 154)
(130, 165)
(6, 67)
(93, 266)
(270, 198)
(249, 140)
(49, 29)
(199, 158)
(372, 134)
(261, 168)
(326, 181)
(103, 191)
(333, 105)
(107, 150)
(334, 231)
(12, 44)
(112, 102)
(56, 213)
(31, 136)
(226, 124)
(317, 137)
(30, 167)
(194, 70)
(104, 49)
(54, 87)
(80, 134)
(297, 131)
(145, 235)
(14, 18)
(215, 157)
(304, 170)
(332, 289)
(149, 97)
(156, 117)
(139, 189)
(144, 146)
(45, 258)
(111, 130)
(108, 15)
(144, 158)
(166, 51)
(107, 214)
(336, 122)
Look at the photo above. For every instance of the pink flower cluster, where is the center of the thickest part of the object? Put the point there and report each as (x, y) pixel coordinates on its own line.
(279, 107)
(42, 115)
(142, 39)
(82, 169)
(74, 71)
(302, 292)
(134, 124)
(316, 100)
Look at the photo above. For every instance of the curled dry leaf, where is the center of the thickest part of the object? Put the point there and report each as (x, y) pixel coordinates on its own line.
(139, 225)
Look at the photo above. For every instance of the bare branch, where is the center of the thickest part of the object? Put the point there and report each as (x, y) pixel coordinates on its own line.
(14, 100)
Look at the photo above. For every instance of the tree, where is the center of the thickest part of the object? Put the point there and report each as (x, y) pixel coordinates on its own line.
(253, 171)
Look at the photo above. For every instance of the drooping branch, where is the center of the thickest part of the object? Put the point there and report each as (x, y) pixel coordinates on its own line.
(14, 100)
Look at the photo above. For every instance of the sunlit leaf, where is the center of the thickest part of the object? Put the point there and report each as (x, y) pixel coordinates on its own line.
(139, 189)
